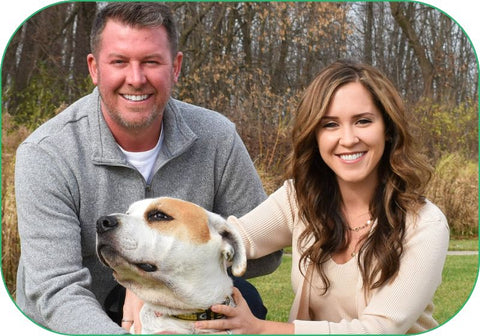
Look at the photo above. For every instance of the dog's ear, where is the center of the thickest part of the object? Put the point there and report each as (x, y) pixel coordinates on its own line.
(233, 249)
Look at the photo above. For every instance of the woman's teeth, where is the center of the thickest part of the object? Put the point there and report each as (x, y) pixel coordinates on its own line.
(351, 157)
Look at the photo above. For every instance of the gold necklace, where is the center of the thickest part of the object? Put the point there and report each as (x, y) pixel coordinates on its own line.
(358, 228)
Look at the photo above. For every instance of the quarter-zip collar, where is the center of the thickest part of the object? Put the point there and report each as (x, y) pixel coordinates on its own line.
(178, 136)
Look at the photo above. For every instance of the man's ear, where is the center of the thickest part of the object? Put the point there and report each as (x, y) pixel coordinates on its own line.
(92, 68)
(177, 66)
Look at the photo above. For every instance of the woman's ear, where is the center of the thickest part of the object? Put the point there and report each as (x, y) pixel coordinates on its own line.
(388, 137)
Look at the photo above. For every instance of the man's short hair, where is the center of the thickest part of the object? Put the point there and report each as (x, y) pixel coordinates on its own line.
(135, 14)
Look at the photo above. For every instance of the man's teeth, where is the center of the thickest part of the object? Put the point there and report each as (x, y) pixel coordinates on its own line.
(351, 157)
(136, 97)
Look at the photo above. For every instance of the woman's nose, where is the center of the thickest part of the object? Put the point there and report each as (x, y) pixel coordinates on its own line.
(348, 137)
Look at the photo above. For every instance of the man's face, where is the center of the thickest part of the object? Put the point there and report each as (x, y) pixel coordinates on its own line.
(135, 72)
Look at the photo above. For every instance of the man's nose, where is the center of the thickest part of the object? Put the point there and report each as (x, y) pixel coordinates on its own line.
(136, 75)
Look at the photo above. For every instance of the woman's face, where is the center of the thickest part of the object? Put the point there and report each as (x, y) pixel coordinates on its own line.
(351, 136)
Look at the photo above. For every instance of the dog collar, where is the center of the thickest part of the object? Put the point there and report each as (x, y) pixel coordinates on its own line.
(203, 315)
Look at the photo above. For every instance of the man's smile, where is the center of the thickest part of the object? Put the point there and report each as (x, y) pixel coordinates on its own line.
(136, 98)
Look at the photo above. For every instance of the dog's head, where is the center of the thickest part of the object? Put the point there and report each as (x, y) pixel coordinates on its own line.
(171, 252)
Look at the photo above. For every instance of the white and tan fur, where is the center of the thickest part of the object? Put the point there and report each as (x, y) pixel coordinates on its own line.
(174, 256)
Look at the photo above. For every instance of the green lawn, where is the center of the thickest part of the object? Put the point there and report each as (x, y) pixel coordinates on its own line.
(463, 245)
(276, 291)
(459, 277)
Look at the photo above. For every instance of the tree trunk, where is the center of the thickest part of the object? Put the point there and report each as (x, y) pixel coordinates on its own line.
(401, 16)
(85, 15)
(368, 38)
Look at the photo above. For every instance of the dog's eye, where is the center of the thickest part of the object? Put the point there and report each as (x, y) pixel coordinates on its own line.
(157, 216)
(147, 267)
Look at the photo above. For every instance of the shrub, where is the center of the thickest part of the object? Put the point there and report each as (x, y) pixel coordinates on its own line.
(446, 128)
(45, 96)
(12, 136)
(454, 188)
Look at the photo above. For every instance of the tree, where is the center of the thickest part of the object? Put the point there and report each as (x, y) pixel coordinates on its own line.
(403, 13)
(52, 44)
(252, 60)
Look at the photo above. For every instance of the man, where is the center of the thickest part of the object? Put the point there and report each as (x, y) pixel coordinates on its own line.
(126, 141)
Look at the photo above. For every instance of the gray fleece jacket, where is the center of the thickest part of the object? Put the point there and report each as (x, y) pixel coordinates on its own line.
(70, 171)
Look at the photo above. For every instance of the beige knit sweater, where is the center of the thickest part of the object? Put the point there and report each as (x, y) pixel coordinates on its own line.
(402, 306)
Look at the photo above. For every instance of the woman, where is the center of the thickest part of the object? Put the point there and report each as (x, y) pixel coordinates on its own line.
(367, 248)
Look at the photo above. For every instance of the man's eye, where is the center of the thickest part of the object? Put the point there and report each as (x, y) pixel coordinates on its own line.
(157, 216)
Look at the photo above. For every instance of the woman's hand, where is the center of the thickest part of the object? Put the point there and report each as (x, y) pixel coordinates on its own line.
(131, 313)
(240, 319)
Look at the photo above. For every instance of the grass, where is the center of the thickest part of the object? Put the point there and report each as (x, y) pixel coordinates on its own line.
(459, 276)
(276, 291)
(463, 245)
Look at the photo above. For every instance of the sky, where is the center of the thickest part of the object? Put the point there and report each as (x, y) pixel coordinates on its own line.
(14, 13)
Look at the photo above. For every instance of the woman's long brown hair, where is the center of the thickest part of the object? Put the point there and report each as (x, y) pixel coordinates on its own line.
(403, 175)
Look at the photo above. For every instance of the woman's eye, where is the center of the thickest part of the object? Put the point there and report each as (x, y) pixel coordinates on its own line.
(364, 121)
(329, 125)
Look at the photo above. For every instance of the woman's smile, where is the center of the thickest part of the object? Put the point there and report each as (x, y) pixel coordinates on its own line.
(352, 157)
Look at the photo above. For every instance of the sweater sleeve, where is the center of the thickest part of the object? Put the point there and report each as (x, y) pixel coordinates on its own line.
(54, 283)
(240, 190)
(405, 304)
(269, 226)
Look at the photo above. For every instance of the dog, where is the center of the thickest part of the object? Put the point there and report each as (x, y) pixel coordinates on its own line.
(174, 256)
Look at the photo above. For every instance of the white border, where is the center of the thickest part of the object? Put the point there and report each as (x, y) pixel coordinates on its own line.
(14, 13)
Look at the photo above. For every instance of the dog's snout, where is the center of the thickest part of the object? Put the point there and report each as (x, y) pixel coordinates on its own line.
(106, 223)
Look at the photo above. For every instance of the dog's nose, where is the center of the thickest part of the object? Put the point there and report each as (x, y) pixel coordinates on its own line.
(106, 223)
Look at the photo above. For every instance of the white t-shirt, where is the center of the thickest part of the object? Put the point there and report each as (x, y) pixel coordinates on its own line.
(144, 161)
